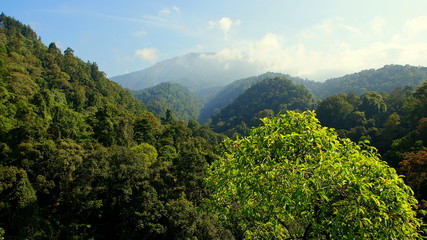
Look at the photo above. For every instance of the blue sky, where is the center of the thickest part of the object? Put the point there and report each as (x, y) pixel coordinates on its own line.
(308, 38)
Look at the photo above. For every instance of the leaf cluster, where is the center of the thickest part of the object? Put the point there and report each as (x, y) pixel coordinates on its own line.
(291, 178)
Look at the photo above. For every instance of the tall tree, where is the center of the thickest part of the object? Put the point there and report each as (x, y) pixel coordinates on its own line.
(291, 178)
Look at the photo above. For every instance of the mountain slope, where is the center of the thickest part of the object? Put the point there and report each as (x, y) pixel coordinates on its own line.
(81, 158)
(171, 96)
(263, 99)
(234, 89)
(194, 71)
(384, 79)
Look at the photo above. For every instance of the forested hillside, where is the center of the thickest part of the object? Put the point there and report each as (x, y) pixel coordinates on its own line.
(81, 158)
(263, 99)
(171, 96)
(378, 80)
(385, 79)
(230, 92)
(394, 123)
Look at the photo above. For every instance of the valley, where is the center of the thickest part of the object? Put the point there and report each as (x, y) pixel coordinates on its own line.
(193, 149)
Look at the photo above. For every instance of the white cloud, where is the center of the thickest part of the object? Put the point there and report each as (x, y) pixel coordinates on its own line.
(164, 12)
(301, 59)
(378, 25)
(176, 9)
(415, 26)
(168, 11)
(351, 29)
(225, 24)
(330, 30)
(225, 54)
(331, 48)
(148, 54)
(326, 26)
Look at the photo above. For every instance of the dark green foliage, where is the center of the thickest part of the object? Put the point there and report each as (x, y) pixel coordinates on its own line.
(395, 123)
(270, 96)
(385, 79)
(81, 158)
(335, 112)
(169, 96)
(230, 92)
(389, 121)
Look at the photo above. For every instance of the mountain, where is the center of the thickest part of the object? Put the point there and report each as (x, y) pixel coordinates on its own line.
(263, 99)
(384, 79)
(184, 104)
(234, 89)
(82, 158)
(196, 71)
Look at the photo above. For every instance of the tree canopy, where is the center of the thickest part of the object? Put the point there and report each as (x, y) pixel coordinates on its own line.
(271, 95)
(384, 79)
(291, 178)
(171, 96)
(81, 158)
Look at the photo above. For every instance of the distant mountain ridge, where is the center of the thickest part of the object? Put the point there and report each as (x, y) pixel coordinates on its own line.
(384, 79)
(213, 79)
(195, 71)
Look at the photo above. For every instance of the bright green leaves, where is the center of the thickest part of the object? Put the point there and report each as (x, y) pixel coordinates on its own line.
(293, 178)
(146, 152)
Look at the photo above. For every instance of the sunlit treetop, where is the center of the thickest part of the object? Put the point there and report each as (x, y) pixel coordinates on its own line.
(292, 178)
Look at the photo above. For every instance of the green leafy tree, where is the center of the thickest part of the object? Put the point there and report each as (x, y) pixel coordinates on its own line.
(373, 104)
(291, 178)
(334, 110)
(185, 222)
(17, 201)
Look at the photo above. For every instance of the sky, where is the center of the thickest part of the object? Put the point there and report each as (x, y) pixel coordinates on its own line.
(312, 39)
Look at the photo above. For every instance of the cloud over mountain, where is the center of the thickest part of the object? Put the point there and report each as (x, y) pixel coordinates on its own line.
(148, 54)
(196, 71)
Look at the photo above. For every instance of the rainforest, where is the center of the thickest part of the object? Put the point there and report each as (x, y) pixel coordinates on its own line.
(266, 157)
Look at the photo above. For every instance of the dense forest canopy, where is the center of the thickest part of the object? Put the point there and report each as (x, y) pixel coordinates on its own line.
(230, 92)
(385, 79)
(82, 158)
(263, 99)
(378, 80)
(171, 96)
